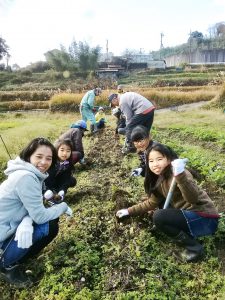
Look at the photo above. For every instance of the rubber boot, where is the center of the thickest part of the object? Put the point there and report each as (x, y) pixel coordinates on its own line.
(193, 249)
(93, 128)
(14, 275)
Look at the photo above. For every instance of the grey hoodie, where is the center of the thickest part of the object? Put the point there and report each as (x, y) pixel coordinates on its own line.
(21, 195)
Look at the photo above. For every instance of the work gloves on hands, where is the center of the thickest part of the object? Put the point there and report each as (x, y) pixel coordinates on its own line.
(49, 195)
(136, 172)
(122, 213)
(178, 166)
(24, 233)
(54, 198)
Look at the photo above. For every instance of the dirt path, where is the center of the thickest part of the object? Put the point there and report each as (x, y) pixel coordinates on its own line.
(184, 107)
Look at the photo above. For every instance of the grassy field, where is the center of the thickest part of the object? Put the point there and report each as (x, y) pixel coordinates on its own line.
(95, 256)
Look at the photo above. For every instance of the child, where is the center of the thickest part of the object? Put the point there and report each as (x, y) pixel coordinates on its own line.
(100, 118)
(76, 134)
(60, 174)
(191, 213)
(26, 226)
(142, 141)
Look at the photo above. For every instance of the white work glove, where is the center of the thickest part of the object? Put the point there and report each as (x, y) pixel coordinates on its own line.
(178, 166)
(69, 212)
(136, 172)
(61, 194)
(122, 213)
(24, 233)
(48, 195)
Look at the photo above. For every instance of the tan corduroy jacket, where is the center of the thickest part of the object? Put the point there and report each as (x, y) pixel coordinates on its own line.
(187, 195)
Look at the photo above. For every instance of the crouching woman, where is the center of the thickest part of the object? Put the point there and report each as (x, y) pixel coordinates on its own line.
(26, 226)
(191, 213)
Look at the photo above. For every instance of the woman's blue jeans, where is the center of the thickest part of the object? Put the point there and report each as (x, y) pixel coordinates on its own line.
(13, 254)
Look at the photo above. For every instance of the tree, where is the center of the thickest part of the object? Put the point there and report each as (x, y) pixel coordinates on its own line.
(3, 48)
(79, 56)
(60, 60)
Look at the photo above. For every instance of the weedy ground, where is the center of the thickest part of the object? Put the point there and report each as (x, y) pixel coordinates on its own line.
(97, 256)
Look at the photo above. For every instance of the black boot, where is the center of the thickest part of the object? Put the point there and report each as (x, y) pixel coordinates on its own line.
(14, 275)
(93, 128)
(193, 249)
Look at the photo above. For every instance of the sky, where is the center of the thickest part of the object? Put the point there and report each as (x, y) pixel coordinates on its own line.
(33, 27)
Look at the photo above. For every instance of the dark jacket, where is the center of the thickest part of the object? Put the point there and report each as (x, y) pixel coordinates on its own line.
(60, 177)
(75, 135)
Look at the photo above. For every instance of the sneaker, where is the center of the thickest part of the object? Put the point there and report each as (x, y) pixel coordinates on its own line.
(15, 276)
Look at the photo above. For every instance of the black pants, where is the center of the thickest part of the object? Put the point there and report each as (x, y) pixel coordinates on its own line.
(145, 120)
(170, 221)
(41, 244)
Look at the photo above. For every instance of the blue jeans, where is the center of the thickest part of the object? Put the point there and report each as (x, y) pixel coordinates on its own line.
(200, 226)
(13, 254)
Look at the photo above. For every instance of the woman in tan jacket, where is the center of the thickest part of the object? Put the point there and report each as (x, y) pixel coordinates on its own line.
(191, 213)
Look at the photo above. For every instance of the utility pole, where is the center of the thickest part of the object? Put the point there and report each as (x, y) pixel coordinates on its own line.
(107, 50)
(190, 40)
(161, 43)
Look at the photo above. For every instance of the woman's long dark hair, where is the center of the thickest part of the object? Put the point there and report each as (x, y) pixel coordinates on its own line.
(26, 153)
(152, 180)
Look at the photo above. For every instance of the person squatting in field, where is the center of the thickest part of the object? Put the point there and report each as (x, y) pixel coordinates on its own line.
(191, 213)
(138, 111)
(76, 134)
(60, 173)
(142, 141)
(26, 225)
(100, 118)
(120, 122)
(87, 107)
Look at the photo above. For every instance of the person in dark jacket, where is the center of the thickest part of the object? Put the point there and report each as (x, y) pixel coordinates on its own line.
(142, 141)
(191, 213)
(76, 134)
(61, 173)
(120, 122)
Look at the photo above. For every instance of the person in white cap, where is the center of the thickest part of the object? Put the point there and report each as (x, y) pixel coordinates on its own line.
(100, 118)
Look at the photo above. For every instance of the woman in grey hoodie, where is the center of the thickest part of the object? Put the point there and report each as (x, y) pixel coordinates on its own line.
(26, 225)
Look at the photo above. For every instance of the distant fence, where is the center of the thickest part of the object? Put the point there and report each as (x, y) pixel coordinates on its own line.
(213, 56)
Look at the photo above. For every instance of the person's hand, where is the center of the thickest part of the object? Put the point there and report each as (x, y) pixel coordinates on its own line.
(122, 213)
(48, 195)
(69, 212)
(61, 194)
(178, 166)
(136, 172)
(24, 233)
